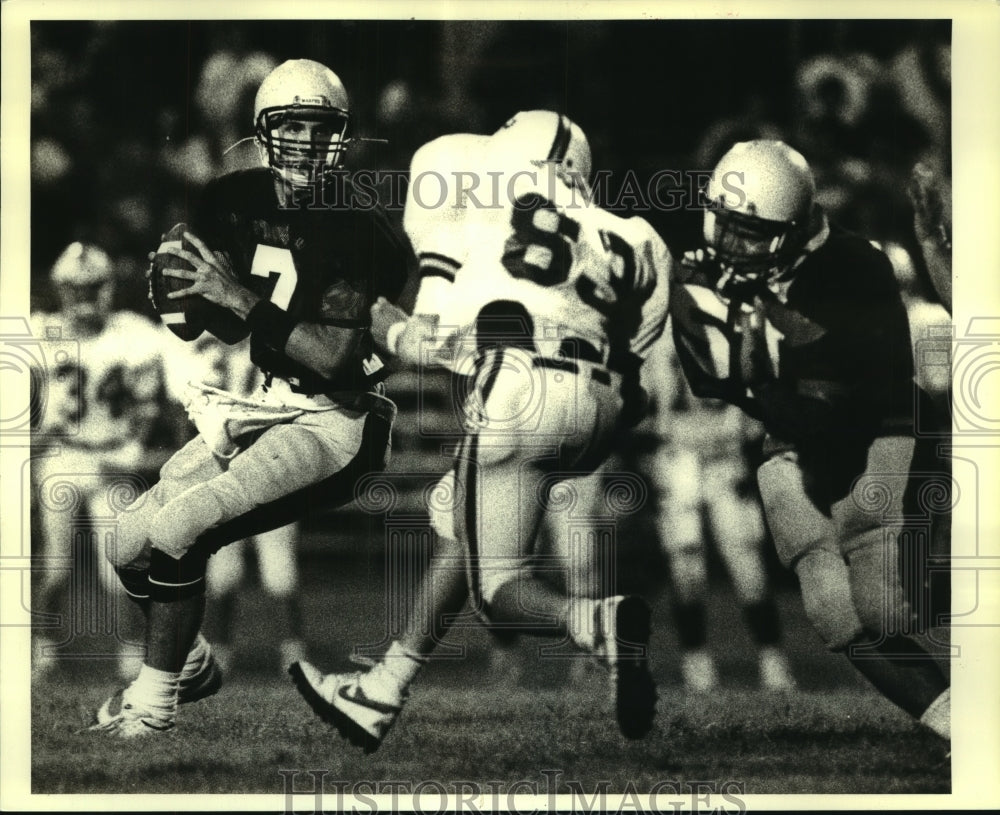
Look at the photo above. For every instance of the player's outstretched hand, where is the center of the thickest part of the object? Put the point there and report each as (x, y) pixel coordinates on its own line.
(212, 278)
(384, 316)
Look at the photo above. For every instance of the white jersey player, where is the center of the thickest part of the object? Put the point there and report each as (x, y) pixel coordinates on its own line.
(106, 418)
(550, 304)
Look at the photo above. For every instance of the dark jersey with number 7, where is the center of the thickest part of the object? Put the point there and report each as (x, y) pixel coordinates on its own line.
(325, 264)
(527, 236)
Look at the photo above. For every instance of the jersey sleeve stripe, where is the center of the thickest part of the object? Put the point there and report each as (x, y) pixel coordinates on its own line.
(436, 257)
(435, 271)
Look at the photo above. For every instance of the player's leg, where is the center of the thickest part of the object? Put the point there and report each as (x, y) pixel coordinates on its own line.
(896, 664)
(224, 577)
(580, 411)
(737, 526)
(277, 560)
(805, 540)
(57, 498)
(364, 706)
(178, 666)
(284, 461)
(678, 475)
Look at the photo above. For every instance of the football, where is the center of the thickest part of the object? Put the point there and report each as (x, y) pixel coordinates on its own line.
(185, 316)
(188, 317)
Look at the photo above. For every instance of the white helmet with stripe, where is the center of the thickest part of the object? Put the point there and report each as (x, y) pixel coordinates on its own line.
(543, 135)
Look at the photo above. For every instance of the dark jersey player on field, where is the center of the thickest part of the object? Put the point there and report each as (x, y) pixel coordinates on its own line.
(298, 275)
(802, 325)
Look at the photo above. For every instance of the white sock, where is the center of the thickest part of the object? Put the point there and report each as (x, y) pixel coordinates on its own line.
(155, 692)
(196, 658)
(590, 621)
(937, 717)
(389, 680)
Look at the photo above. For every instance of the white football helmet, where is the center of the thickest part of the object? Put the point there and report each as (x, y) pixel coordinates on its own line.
(759, 206)
(84, 279)
(542, 135)
(301, 115)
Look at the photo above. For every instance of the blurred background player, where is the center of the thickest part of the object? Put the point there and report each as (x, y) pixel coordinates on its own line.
(801, 324)
(109, 419)
(551, 304)
(703, 479)
(228, 367)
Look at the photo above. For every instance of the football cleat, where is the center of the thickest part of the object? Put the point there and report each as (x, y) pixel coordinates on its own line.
(203, 684)
(124, 720)
(339, 700)
(624, 646)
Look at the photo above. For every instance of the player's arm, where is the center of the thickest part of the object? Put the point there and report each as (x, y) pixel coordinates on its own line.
(932, 226)
(406, 337)
(323, 347)
(653, 272)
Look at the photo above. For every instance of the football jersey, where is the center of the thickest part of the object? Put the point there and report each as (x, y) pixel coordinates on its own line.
(323, 264)
(834, 330)
(102, 391)
(528, 236)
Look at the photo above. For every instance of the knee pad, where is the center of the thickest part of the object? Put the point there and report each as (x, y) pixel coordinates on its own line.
(178, 524)
(131, 541)
(826, 596)
(171, 579)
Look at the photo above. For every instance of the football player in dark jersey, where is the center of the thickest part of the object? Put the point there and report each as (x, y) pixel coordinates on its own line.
(298, 273)
(802, 325)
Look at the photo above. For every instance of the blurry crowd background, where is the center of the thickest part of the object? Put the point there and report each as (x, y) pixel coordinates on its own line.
(130, 119)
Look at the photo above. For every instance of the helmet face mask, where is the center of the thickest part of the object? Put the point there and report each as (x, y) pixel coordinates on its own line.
(752, 247)
(86, 304)
(758, 209)
(302, 145)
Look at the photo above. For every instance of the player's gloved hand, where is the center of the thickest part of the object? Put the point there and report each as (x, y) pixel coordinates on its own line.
(384, 316)
(416, 337)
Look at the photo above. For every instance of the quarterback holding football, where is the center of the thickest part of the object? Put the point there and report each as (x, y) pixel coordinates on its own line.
(262, 256)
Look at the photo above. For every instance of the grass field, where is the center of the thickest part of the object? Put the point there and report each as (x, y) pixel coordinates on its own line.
(468, 722)
(238, 742)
